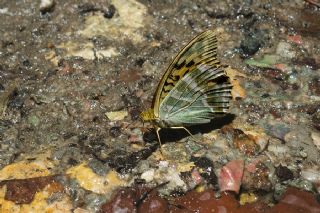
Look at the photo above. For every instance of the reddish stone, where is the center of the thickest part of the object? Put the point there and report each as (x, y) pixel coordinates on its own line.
(295, 39)
(203, 202)
(123, 201)
(295, 201)
(196, 176)
(154, 203)
(257, 179)
(245, 144)
(22, 191)
(132, 200)
(252, 166)
(231, 176)
(257, 207)
(281, 67)
(143, 200)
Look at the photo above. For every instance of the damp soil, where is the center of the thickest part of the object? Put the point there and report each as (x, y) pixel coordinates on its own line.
(75, 76)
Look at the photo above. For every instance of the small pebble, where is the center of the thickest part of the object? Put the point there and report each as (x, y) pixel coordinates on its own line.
(148, 175)
(303, 153)
(284, 49)
(284, 173)
(250, 45)
(316, 139)
(109, 13)
(46, 6)
(117, 115)
(115, 131)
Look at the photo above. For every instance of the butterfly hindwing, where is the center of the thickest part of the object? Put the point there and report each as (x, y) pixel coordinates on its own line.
(197, 98)
(201, 50)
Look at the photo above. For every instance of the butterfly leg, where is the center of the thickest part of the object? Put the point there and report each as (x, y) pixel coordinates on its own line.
(182, 127)
(157, 130)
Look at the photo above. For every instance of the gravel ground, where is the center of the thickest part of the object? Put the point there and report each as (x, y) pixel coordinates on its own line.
(75, 76)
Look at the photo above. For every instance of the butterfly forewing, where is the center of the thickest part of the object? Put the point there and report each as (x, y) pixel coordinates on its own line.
(201, 50)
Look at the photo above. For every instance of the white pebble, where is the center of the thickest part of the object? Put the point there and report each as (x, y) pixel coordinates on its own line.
(285, 50)
(46, 5)
(148, 175)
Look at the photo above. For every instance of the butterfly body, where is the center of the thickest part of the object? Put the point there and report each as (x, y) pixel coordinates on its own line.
(193, 90)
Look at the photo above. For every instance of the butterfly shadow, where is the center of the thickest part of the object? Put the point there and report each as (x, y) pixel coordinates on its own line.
(174, 135)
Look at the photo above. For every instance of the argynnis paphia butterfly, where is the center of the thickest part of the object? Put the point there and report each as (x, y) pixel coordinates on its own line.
(194, 89)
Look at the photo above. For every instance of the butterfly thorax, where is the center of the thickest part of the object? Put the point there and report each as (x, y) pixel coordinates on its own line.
(149, 116)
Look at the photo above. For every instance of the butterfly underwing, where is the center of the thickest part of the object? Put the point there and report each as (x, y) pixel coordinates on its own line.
(194, 89)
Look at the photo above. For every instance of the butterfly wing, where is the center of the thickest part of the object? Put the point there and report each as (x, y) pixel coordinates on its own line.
(197, 98)
(201, 50)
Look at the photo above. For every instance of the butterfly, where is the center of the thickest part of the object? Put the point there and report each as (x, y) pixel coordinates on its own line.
(193, 90)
